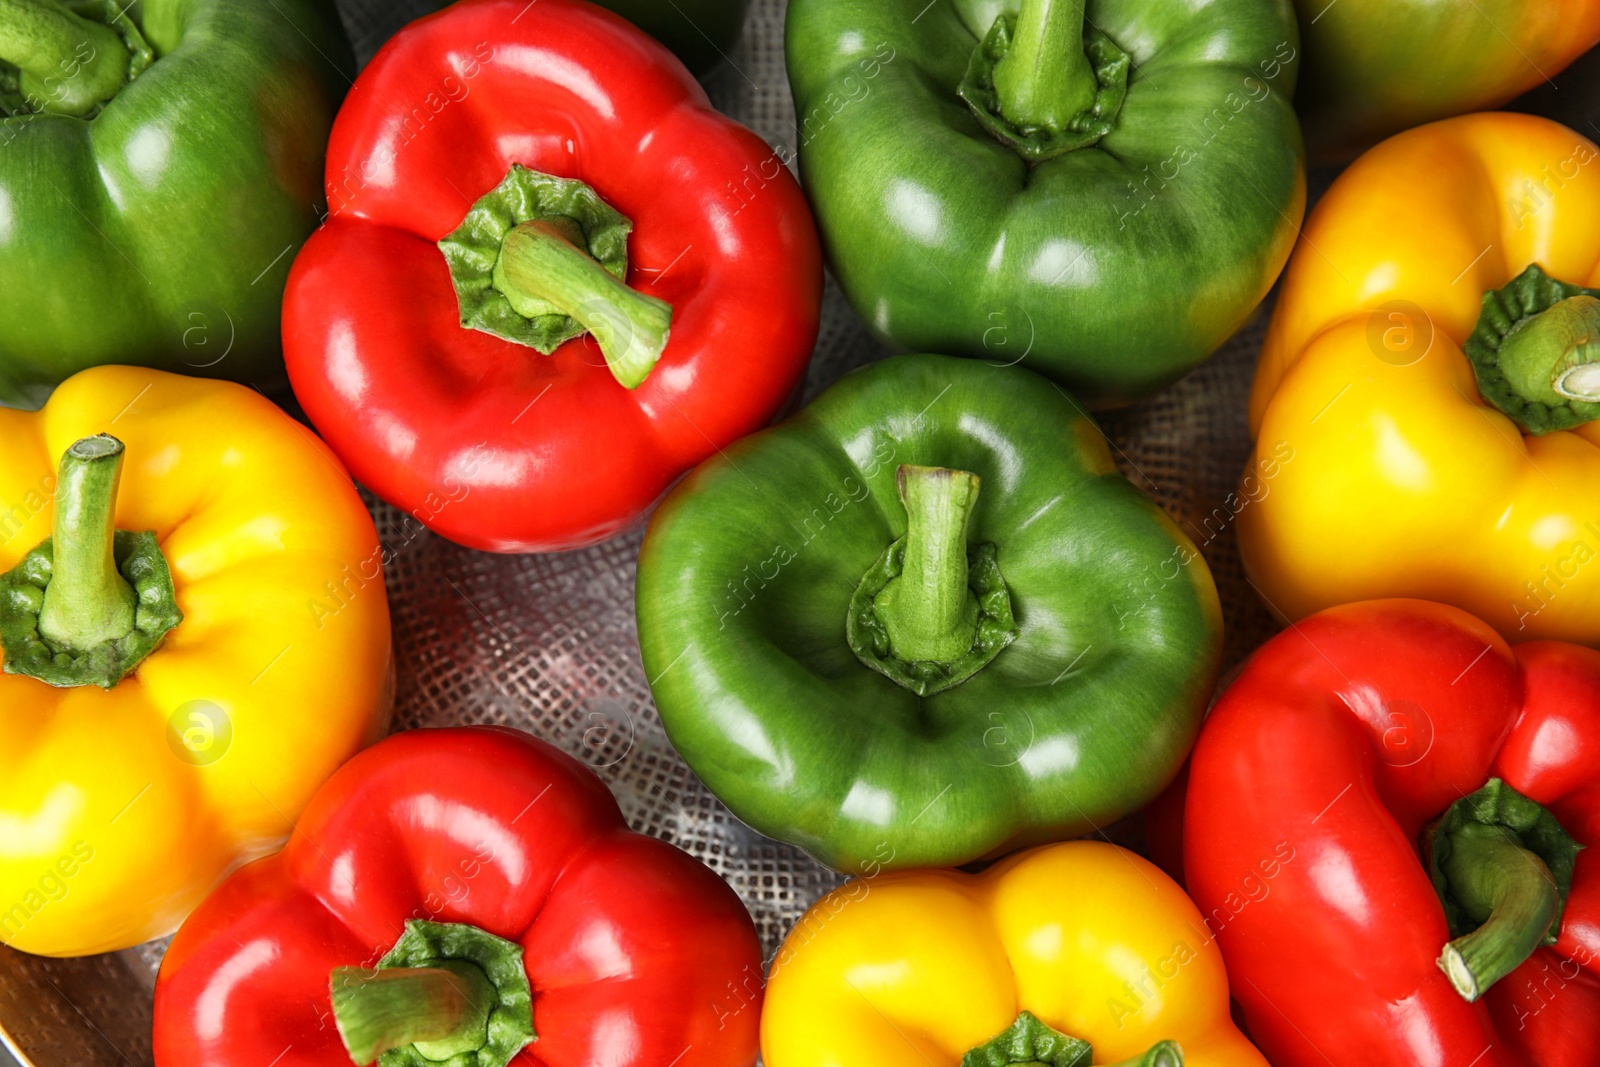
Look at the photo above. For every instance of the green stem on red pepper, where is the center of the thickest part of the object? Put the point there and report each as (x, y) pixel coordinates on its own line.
(1502, 865)
(445, 989)
(442, 1010)
(68, 65)
(541, 262)
(1512, 891)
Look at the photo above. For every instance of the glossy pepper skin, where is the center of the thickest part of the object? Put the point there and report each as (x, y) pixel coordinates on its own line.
(121, 808)
(489, 442)
(1114, 268)
(751, 567)
(913, 967)
(1376, 67)
(1379, 468)
(636, 953)
(159, 230)
(1309, 792)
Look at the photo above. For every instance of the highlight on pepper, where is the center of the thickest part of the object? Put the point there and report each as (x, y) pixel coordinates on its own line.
(170, 697)
(458, 896)
(1432, 363)
(160, 164)
(546, 313)
(1452, 879)
(926, 622)
(1066, 955)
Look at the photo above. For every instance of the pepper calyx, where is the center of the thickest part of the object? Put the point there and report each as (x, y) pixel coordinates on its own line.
(540, 260)
(1536, 352)
(933, 610)
(1032, 1042)
(88, 604)
(1502, 865)
(1037, 141)
(445, 993)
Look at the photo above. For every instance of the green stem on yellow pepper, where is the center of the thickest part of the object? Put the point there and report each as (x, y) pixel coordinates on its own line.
(1164, 1054)
(87, 602)
(1536, 352)
(1554, 357)
(1031, 1042)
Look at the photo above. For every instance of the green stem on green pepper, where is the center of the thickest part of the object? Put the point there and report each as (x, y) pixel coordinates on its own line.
(1046, 79)
(70, 65)
(930, 611)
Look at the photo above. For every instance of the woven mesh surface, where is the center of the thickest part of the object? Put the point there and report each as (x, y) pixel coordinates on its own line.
(547, 643)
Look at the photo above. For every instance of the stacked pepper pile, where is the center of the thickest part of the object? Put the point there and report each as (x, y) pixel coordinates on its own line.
(923, 629)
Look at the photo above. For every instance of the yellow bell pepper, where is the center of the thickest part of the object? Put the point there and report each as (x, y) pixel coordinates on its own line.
(1075, 943)
(138, 763)
(1424, 407)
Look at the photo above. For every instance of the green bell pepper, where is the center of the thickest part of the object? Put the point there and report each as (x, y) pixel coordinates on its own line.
(1104, 192)
(159, 166)
(925, 621)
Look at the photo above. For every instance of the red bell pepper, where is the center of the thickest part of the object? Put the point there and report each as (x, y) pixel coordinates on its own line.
(1374, 832)
(509, 179)
(437, 883)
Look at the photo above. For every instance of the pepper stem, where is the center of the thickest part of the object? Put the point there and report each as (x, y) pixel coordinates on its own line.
(541, 266)
(87, 602)
(1030, 1042)
(1535, 352)
(1507, 888)
(929, 611)
(446, 992)
(1555, 356)
(443, 1010)
(1502, 865)
(70, 65)
(1046, 79)
(1165, 1054)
